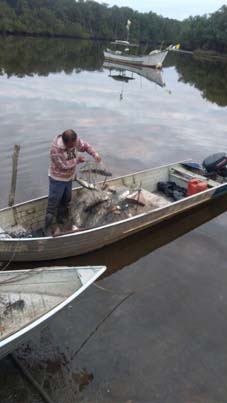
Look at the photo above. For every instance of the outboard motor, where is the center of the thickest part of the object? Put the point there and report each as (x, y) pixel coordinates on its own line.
(216, 164)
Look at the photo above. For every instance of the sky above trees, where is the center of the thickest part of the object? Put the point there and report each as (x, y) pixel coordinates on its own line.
(179, 9)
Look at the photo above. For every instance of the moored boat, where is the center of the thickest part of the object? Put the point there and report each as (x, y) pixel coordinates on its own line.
(154, 59)
(31, 215)
(30, 298)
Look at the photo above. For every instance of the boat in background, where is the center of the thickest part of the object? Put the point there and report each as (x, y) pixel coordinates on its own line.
(154, 59)
(30, 298)
(150, 74)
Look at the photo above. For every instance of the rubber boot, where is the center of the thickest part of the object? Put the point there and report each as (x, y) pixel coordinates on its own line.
(63, 215)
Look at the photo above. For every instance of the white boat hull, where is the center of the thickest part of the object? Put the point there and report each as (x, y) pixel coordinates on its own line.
(152, 60)
(30, 298)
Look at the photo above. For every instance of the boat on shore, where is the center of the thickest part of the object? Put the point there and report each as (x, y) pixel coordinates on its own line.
(30, 298)
(31, 215)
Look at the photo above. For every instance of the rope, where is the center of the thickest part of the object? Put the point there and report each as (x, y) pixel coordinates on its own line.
(100, 324)
(110, 291)
(10, 261)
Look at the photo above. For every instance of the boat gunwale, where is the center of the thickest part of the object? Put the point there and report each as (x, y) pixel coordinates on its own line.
(116, 223)
(57, 308)
(80, 187)
(134, 56)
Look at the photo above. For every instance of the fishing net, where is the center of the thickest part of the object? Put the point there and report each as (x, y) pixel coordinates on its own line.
(98, 202)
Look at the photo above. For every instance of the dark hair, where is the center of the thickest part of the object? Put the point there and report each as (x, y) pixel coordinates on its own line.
(68, 135)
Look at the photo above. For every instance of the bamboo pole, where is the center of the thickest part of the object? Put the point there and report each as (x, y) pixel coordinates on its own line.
(27, 374)
(14, 174)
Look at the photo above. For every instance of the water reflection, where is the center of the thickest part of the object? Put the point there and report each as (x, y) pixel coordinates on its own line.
(29, 56)
(126, 73)
(208, 77)
(22, 57)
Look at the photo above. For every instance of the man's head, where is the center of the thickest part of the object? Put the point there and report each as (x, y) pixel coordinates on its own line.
(69, 138)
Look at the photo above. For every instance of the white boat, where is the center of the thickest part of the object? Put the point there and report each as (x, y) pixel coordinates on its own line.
(153, 59)
(31, 215)
(30, 298)
(150, 74)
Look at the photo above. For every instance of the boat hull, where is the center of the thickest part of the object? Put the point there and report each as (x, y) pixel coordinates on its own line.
(152, 60)
(44, 292)
(68, 245)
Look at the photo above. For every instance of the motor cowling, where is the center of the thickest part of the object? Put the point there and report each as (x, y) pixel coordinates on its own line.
(216, 163)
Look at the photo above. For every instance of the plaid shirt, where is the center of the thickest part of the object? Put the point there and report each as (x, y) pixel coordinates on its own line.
(63, 162)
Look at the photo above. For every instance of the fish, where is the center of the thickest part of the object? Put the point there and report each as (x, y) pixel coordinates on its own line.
(101, 172)
(85, 184)
(122, 195)
(96, 202)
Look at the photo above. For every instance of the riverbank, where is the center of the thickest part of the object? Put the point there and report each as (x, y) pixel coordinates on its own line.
(52, 35)
(85, 37)
(200, 54)
(210, 55)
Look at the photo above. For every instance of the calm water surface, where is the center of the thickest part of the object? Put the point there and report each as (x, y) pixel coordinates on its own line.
(166, 332)
(47, 86)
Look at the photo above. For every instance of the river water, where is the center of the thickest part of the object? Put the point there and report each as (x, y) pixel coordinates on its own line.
(49, 85)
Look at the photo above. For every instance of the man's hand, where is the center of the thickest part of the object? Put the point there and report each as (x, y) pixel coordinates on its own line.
(97, 157)
(81, 159)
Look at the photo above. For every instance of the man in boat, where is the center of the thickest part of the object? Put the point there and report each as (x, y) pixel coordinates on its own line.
(63, 161)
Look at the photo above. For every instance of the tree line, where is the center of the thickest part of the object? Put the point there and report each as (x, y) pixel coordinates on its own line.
(89, 19)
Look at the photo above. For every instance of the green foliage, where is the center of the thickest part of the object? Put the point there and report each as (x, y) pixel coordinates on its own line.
(20, 56)
(210, 78)
(206, 32)
(90, 19)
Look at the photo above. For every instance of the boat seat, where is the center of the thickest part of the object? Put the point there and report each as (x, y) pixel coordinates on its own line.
(181, 176)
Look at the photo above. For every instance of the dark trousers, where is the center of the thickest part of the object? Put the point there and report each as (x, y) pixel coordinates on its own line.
(60, 194)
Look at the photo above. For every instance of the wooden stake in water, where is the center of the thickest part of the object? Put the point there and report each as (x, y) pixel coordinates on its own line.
(14, 174)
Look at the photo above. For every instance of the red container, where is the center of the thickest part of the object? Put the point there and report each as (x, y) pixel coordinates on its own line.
(196, 186)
